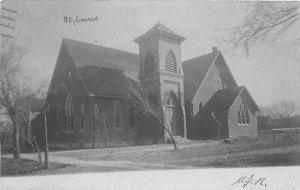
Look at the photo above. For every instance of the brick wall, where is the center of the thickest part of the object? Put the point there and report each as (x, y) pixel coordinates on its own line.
(234, 128)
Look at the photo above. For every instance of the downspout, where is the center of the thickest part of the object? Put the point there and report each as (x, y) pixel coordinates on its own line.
(191, 108)
(92, 107)
(227, 115)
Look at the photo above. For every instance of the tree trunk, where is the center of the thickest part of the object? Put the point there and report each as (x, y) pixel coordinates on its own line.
(174, 142)
(16, 144)
(165, 128)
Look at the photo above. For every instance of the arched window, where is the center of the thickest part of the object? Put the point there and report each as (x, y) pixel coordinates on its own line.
(117, 114)
(69, 112)
(243, 115)
(170, 62)
(149, 63)
(171, 100)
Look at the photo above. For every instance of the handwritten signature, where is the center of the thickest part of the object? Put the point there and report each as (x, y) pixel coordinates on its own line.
(245, 180)
(78, 19)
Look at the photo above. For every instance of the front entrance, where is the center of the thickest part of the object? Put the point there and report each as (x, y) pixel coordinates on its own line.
(173, 116)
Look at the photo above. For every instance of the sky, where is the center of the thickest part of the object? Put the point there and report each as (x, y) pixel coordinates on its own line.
(271, 73)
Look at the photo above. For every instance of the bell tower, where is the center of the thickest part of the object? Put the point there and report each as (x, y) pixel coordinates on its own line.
(161, 75)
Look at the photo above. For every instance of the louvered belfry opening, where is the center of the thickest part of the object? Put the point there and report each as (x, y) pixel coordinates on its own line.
(149, 63)
(170, 62)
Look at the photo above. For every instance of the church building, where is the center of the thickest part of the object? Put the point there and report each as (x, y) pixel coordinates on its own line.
(197, 98)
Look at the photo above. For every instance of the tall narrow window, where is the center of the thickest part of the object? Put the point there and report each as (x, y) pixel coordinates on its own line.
(131, 116)
(117, 114)
(243, 115)
(69, 112)
(149, 63)
(170, 62)
(57, 119)
(82, 115)
(170, 102)
(239, 116)
(247, 116)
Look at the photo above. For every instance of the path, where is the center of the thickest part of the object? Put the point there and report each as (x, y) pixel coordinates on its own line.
(71, 157)
(231, 159)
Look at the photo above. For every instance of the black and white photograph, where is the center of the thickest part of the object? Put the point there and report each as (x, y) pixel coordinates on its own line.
(150, 94)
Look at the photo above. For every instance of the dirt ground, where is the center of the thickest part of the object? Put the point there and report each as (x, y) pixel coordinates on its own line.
(244, 152)
(12, 167)
(242, 145)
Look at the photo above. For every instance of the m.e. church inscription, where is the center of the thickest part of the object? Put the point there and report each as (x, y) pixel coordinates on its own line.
(78, 19)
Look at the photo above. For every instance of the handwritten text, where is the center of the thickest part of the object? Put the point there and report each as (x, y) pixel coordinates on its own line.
(77, 19)
(245, 180)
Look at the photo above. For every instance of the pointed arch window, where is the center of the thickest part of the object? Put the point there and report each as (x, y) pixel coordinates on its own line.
(117, 114)
(69, 112)
(149, 63)
(243, 115)
(171, 100)
(170, 62)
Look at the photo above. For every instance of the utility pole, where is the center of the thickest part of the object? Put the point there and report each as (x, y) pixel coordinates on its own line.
(6, 24)
(8, 19)
(45, 111)
(46, 143)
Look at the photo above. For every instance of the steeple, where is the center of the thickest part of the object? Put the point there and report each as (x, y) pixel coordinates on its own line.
(161, 75)
(159, 30)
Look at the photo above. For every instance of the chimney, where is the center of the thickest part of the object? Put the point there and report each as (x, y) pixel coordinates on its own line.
(215, 49)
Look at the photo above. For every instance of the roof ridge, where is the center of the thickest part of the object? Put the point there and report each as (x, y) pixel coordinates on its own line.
(160, 26)
(96, 45)
(194, 58)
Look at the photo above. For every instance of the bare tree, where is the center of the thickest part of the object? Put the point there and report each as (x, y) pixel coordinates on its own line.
(283, 111)
(13, 87)
(103, 121)
(265, 21)
(134, 95)
(36, 149)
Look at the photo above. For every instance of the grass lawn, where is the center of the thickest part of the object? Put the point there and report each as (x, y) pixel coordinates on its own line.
(216, 152)
(244, 152)
(15, 167)
(275, 158)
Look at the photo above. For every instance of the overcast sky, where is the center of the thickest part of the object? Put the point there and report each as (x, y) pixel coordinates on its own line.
(271, 72)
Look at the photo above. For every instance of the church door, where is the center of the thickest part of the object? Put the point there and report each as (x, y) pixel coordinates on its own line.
(171, 115)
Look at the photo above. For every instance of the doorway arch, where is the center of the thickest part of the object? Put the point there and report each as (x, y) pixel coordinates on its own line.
(173, 115)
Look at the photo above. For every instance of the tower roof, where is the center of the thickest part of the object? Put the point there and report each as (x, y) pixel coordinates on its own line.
(159, 29)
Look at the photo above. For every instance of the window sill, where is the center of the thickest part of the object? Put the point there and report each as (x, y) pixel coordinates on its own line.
(243, 125)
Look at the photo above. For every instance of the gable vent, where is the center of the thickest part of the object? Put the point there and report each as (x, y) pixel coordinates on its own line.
(170, 62)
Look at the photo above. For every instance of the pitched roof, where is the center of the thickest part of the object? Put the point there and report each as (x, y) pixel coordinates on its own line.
(158, 29)
(83, 54)
(222, 99)
(194, 73)
(106, 82)
(159, 26)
